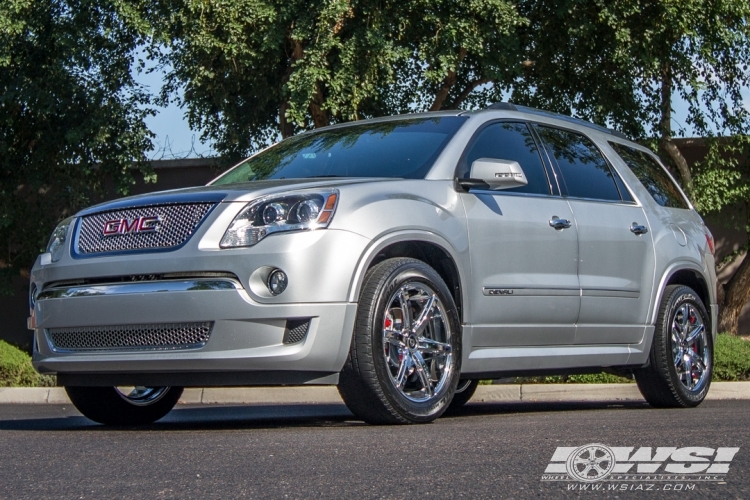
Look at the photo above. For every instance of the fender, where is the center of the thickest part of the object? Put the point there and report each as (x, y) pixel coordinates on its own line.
(668, 273)
(384, 240)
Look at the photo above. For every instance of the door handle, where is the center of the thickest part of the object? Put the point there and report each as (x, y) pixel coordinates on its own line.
(559, 223)
(638, 229)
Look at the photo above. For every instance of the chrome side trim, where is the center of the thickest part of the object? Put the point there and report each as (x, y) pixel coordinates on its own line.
(601, 292)
(497, 291)
(140, 287)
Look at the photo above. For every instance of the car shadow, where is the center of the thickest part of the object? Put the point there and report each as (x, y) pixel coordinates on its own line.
(217, 417)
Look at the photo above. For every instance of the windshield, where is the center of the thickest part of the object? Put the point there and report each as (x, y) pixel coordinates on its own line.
(400, 148)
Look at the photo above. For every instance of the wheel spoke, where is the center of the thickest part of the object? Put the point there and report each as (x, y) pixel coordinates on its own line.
(424, 316)
(697, 361)
(678, 358)
(429, 346)
(403, 301)
(695, 334)
(685, 317)
(423, 371)
(395, 337)
(599, 468)
(403, 371)
(688, 371)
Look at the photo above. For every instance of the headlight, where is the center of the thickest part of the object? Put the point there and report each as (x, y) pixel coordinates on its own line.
(290, 212)
(56, 244)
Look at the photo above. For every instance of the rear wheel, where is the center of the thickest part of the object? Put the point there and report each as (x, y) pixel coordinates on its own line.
(405, 356)
(681, 358)
(464, 391)
(124, 405)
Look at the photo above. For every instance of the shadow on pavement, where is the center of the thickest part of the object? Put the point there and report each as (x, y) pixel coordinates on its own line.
(209, 417)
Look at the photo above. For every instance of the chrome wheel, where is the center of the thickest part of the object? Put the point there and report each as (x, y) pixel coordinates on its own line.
(691, 353)
(463, 385)
(416, 342)
(142, 396)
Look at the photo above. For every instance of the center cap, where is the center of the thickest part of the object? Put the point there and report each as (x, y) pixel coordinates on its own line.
(412, 342)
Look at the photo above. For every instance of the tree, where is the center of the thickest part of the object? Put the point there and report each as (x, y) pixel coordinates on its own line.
(623, 63)
(71, 116)
(254, 70)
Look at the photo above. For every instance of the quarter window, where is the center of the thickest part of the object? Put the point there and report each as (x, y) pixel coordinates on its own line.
(585, 172)
(510, 141)
(652, 175)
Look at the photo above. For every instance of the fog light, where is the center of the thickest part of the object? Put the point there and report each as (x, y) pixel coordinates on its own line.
(277, 281)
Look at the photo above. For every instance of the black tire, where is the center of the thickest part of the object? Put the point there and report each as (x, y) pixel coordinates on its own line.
(366, 383)
(660, 383)
(464, 391)
(109, 406)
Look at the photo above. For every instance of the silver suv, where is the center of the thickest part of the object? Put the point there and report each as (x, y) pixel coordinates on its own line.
(402, 259)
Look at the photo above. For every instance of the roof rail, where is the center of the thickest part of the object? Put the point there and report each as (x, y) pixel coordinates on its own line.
(508, 106)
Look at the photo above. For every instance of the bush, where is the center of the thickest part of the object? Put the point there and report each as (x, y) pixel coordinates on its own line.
(731, 358)
(16, 369)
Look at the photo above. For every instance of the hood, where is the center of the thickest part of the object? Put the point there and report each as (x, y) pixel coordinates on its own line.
(242, 192)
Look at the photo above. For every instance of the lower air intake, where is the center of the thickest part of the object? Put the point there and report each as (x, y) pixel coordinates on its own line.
(127, 337)
(296, 330)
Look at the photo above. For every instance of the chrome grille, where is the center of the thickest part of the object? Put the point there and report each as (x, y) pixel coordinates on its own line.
(126, 337)
(177, 224)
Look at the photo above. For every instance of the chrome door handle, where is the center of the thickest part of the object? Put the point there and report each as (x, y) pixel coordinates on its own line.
(638, 229)
(559, 223)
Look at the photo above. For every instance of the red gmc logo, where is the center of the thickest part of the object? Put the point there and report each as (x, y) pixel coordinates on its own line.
(137, 225)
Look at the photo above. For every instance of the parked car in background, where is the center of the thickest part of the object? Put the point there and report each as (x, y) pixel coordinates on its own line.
(401, 258)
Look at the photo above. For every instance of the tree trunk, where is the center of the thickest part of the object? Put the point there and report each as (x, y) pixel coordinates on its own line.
(287, 128)
(319, 115)
(735, 293)
(448, 83)
(665, 129)
(465, 92)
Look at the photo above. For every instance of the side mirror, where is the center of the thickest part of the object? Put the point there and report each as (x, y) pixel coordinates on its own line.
(498, 174)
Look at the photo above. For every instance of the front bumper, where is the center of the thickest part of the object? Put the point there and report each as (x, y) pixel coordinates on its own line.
(247, 336)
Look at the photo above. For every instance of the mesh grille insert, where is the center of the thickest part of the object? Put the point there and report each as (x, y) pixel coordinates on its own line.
(296, 330)
(176, 224)
(123, 337)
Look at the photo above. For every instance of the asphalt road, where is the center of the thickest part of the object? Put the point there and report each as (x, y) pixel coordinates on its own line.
(495, 450)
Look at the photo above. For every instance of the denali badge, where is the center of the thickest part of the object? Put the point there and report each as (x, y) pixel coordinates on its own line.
(137, 225)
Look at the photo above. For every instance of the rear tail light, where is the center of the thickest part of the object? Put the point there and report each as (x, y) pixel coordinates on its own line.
(709, 239)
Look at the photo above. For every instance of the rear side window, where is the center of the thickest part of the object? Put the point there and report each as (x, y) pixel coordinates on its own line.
(585, 172)
(652, 175)
(510, 141)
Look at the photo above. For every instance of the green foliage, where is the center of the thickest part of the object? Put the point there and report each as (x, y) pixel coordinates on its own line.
(606, 61)
(254, 70)
(731, 358)
(16, 369)
(71, 116)
(589, 378)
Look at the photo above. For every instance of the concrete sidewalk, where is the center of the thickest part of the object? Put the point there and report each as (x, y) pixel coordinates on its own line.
(329, 394)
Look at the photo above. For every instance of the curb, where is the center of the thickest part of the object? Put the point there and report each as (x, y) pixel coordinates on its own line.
(329, 394)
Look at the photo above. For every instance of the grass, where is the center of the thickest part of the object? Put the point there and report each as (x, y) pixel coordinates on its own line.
(16, 369)
(732, 358)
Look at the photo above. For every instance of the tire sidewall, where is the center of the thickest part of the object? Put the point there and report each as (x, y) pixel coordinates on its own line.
(420, 273)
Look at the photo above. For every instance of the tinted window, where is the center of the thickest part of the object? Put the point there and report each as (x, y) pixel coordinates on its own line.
(652, 176)
(585, 172)
(514, 142)
(401, 148)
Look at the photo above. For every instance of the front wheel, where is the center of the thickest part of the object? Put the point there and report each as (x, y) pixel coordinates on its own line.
(681, 359)
(405, 356)
(124, 405)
